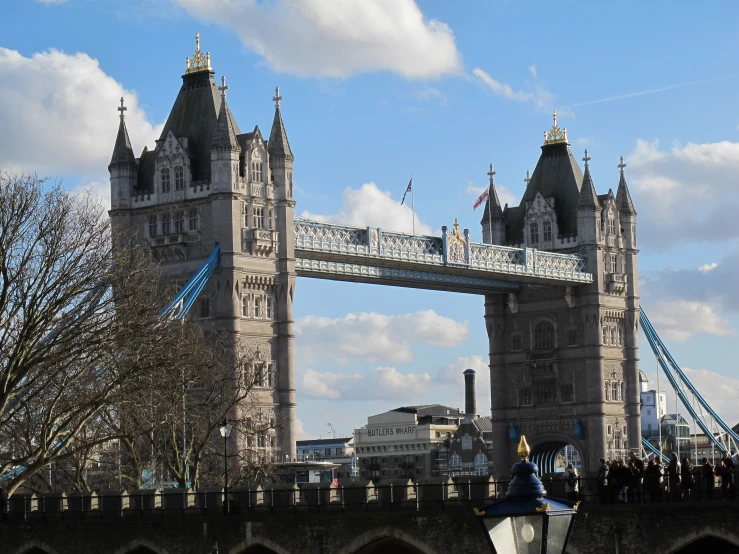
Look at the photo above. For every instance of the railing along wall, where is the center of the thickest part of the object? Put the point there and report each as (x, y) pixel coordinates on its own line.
(453, 248)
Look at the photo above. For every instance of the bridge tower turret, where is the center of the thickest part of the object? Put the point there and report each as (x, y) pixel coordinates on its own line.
(493, 225)
(123, 166)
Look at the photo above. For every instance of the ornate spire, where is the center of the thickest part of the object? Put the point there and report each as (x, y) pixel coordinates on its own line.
(200, 61)
(623, 198)
(588, 198)
(278, 144)
(122, 151)
(493, 210)
(555, 135)
(224, 137)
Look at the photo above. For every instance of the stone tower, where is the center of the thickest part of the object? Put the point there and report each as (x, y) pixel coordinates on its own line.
(564, 360)
(207, 183)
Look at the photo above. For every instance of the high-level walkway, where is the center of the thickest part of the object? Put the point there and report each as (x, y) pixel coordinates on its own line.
(450, 262)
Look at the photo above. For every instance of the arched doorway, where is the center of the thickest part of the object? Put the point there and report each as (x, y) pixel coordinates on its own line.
(388, 545)
(553, 457)
(708, 544)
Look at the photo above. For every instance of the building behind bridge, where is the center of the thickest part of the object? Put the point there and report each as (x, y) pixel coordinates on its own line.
(337, 450)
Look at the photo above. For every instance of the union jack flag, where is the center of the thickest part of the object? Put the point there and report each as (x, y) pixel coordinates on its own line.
(410, 186)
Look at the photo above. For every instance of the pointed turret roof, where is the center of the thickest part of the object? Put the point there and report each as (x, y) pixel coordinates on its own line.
(588, 198)
(224, 136)
(122, 151)
(623, 198)
(278, 143)
(493, 209)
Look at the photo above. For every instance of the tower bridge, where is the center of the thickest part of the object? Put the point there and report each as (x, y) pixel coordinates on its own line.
(558, 272)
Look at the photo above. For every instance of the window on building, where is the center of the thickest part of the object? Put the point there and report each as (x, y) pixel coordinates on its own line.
(611, 226)
(270, 306)
(534, 232)
(572, 336)
(619, 336)
(610, 430)
(516, 340)
(608, 391)
(481, 459)
(614, 337)
(164, 175)
(526, 396)
(567, 391)
(256, 171)
(612, 263)
(179, 178)
(205, 307)
(165, 224)
(545, 390)
(244, 214)
(605, 335)
(245, 301)
(152, 225)
(258, 217)
(547, 231)
(649, 412)
(271, 224)
(544, 335)
(258, 306)
(179, 222)
(455, 461)
(624, 431)
(649, 427)
(623, 393)
(614, 391)
(194, 217)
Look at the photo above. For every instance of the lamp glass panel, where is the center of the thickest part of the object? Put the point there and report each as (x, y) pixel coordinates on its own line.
(557, 533)
(516, 535)
(226, 430)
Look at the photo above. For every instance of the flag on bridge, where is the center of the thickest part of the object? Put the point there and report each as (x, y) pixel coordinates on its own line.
(481, 199)
(409, 189)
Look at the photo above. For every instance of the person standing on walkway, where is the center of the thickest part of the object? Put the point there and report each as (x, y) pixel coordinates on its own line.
(652, 477)
(603, 471)
(709, 478)
(730, 466)
(686, 478)
(571, 485)
(638, 465)
(673, 478)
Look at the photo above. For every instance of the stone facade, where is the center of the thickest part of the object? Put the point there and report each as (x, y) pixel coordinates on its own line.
(563, 360)
(207, 183)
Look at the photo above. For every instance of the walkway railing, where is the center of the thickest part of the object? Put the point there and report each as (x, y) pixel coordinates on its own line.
(453, 249)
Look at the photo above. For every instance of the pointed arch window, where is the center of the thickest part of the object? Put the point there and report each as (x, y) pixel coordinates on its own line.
(547, 231)
(534, 232)
(256, 172)
(544, 335)
(179, 178)
(516, 342)
(152, 225)
(164, 173)
(179, 222)
(165, 224)
(611, 225)
(615, 388)
(194, 217)
(258, 217)
(455, 461)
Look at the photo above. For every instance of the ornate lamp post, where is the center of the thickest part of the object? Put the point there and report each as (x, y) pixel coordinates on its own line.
(225, 429)
(526, 523)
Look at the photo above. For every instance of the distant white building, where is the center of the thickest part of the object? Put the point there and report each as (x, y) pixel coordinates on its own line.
(653, 407)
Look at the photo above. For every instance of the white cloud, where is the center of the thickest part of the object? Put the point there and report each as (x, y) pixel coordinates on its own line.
(98, 190)
(680, 319)
(374, 337)
(532, 70)
(51, 2)
(383, 383)
(538, 95)
(338, 38)
(300, 433)
(369, 206)
(504, 194)
(706, 268)
(58, 114)
(685, 193)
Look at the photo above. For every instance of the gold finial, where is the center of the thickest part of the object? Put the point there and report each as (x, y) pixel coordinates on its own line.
(200, 61)
(123, 109)
(556, 134)
(523, 449)
(277, 98)
(622, 165)
(527, 179)
(491, 173)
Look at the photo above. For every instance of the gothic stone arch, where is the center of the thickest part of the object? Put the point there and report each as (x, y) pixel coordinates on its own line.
(382, 533)
(30, 545)
(244, 546)
(692, 537)
(138, 543)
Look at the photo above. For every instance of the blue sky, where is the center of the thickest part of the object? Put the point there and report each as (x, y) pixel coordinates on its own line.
(376, 90)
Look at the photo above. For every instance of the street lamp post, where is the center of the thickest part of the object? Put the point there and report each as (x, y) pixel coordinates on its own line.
(225, 429)
(526, 523)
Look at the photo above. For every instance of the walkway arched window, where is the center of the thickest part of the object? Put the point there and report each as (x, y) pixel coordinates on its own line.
(544, 335)
(547, 231)
(534, 232)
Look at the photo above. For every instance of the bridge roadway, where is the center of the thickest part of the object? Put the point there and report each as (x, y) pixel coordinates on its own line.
(451, 262)
(433, 517)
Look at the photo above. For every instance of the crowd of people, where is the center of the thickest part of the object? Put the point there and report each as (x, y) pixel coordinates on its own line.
(633, 480)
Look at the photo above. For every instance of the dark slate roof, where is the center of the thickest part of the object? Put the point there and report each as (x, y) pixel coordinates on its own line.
(224, 137)
(147, 163)
(623, 198)
(122, 151)
(484, 424)
(278, 144)
(244, 140)
(556, 175)
(194, 115)
(495, 209)
(588, 197)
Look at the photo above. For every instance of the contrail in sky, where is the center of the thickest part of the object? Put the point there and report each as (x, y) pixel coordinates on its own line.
(644, 92)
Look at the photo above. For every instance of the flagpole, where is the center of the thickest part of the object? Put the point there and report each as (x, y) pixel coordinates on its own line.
(413, 207)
